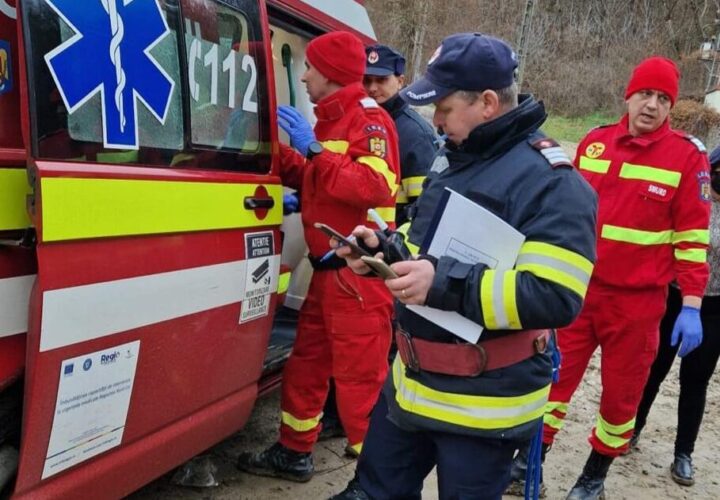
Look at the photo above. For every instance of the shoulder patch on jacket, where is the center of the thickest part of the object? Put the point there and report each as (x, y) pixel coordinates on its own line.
(696, 142)
(553, 153)
(369, 102)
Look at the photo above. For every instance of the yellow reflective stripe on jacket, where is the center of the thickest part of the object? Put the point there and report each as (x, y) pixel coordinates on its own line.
(477, 412)
(594, 165)
(611, 435)
(402, 196)
(14, 189)
(691, 255)
(300, 425)
(336, 146)
(413, 185)
(653, 174)
(498, 300)
(404, 230)
(555, 264)
(636, 236)
(75, 208)
(283, 282)
(700, 236)
(386, 213)
(381, 167)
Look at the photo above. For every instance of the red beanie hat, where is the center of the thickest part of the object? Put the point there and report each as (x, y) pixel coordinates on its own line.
(655, 73)
(339, 56)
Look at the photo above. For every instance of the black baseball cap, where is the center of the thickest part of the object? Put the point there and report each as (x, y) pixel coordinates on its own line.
(464, 61)
(384, 61)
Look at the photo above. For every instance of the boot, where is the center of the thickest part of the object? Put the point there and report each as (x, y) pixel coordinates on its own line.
(632, 445)
(331, 428)
(353, 491)
(518, 470)
(278, 461)
(591, 483)
(682, 471)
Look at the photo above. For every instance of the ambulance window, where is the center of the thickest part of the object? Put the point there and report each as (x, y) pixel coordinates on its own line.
(105, 80)
(225, 74)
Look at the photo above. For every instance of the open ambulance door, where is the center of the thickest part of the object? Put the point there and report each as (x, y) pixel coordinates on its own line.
(157, 213)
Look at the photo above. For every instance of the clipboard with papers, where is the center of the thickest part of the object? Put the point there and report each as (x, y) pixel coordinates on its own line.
(471, 234)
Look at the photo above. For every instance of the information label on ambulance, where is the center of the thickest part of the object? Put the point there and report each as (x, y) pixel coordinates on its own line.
(92, 406)
(261, 275)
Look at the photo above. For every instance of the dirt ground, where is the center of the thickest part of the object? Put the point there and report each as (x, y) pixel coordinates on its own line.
(644, 474)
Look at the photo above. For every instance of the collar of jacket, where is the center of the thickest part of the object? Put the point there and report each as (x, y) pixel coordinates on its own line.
(394, 106)
(499, 135)
(334, 106)
(623, 133)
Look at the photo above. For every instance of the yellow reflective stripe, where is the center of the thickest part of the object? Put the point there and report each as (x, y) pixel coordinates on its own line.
(404, 230)
(356, 447)
(300, 425)
(413, 185)
(336, 146)
(556, 264)
(381, 167)
(386, 213)
(14, 188)
(556, 405)
(510, 300)
(653, 174)
(594, 165)
(552, 421)
(559, 253)
(118, 157)
(75, 208)
(487, 299)
(636, 236)
(616, 429)
(402, 196)
(691, 255)
(479, 412)
(611, 434)
(701, 236)
(283, 282)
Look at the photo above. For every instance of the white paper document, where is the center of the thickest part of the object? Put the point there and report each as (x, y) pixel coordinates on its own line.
(474, 235)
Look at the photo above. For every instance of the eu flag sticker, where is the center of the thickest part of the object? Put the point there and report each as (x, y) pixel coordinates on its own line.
(6, 80)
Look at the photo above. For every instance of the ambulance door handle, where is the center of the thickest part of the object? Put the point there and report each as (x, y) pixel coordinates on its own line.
(259, 203)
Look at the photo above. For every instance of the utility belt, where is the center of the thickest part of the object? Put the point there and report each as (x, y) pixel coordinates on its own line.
(333, 263)
(470, 360)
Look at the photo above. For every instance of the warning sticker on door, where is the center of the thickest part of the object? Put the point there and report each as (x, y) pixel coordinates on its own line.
(92, 406)
(261, 275)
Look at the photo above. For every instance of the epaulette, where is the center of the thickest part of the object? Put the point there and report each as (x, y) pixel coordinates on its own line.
(369, 102)
(553, 153)
(696, 142)
(598, 127)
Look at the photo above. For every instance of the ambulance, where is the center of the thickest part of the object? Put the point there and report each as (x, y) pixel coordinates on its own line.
(144, 255)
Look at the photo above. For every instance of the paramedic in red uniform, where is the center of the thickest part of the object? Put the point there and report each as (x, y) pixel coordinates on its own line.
(654, 202)
(346, 165)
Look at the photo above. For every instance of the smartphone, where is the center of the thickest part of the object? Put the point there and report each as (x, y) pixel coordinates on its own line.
(340, 237)
(380, 267)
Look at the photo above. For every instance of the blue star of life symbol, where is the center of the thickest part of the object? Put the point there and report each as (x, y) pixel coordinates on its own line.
(110, 54)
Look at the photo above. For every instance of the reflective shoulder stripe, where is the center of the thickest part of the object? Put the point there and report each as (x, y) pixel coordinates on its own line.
(555, 264)
(498, 300)
(369, 103)
(404, 230)
(14, 188)
(413, 185)
(696, 142)
(381, 167)
(336, 146)
(386, 213)
(476, 412)
(300, 425)
(594, 165)
(691, 255)
(700, 236)
(283, 282)
(653, 174)
(636, 236)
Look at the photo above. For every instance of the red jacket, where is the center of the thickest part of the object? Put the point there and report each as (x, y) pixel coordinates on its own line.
(654, 206)
(358, 170)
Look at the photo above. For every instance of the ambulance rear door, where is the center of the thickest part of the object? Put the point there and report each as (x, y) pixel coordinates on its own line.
(157, 216)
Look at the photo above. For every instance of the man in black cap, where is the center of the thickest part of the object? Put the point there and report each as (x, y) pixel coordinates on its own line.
(384, 78)
(462, 407)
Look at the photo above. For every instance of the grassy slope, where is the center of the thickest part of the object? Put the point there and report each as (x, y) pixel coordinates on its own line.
(561, 128)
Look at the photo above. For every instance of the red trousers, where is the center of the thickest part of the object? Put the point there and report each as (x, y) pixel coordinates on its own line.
(625, 325)
(344, 331)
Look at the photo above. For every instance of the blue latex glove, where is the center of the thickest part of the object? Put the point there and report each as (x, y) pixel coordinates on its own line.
(688, 327)
(297, 127)
(291, 203)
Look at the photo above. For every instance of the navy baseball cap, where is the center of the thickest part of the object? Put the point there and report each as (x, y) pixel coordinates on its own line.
(464, 61)
(384, 61)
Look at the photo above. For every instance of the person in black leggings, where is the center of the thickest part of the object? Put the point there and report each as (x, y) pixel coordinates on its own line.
(697, 367)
